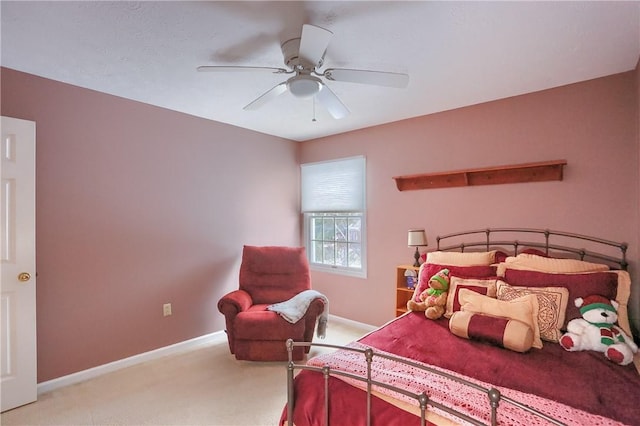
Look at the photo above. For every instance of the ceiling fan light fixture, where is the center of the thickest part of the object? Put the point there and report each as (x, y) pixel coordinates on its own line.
(304, 86)
(304, 56)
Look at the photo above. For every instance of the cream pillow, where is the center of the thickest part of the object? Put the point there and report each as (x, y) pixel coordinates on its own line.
(622, 297)
(532, 262)
(523, 309)
(454, 258)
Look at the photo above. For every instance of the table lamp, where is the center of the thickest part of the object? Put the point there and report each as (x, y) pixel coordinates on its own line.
(417, 238)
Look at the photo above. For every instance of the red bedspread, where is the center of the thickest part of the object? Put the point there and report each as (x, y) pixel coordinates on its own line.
(584, 380)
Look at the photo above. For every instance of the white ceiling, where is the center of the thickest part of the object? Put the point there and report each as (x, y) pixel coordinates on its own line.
(456, 53)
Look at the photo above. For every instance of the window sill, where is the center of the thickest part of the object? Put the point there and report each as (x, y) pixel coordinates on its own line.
(338, 271)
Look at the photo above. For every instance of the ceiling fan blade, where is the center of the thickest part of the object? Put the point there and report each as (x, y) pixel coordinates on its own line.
(332, 103)
(378, 78)
(270, 95)
(313, 44)
(225, 68)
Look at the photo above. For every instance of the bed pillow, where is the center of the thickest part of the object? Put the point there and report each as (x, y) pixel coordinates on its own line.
(477, 271)
(614, 285)
(534, 251)
(524, 309)
(484, 286)
(504, 332)
(461, 258)
(427, 270)
(533, 262)
(501, 256)
(622, 297)
(552, 306)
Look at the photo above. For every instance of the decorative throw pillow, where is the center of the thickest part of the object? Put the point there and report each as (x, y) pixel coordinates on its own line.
(552, 306)
(524, 309)
(504, 332)
(427, 270)
(484, 286)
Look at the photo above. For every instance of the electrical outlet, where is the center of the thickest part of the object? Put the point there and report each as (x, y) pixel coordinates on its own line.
(166, 309)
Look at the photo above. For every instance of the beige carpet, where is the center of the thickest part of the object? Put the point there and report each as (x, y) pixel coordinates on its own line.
(204, 386)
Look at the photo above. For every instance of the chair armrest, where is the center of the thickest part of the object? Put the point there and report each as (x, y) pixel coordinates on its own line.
(313, 312)
(230, 305)
(315, 308)
(235, 302)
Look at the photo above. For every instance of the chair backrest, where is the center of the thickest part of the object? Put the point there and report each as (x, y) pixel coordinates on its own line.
(272, 274)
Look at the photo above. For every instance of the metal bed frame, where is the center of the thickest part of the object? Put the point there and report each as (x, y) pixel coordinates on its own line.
(488, 243)
(494, 397)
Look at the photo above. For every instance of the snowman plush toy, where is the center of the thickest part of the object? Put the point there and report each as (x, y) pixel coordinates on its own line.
(596, 330)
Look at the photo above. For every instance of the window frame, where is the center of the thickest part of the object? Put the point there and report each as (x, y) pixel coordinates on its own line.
(337, 269)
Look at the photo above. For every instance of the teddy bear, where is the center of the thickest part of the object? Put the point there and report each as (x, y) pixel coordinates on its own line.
(432, 299)
(596, 330)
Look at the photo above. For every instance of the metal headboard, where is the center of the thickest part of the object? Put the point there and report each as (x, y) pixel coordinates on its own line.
(489, 243)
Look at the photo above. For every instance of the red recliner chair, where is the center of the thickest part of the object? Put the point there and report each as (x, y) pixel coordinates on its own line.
(268, 275)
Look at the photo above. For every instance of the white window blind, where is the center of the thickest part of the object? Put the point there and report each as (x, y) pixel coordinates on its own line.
(333, 186)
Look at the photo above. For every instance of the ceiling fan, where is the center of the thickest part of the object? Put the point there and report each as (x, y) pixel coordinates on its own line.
(304, 56)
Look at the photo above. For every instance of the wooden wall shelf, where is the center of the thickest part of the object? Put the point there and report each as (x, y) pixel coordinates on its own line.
(517, 173)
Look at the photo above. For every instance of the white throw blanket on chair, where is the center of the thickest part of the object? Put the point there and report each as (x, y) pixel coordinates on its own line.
(294, 309)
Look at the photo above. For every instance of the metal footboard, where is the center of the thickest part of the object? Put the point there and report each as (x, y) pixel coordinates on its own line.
(494, 397)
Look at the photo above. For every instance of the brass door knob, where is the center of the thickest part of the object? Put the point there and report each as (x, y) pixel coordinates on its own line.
(24, 277)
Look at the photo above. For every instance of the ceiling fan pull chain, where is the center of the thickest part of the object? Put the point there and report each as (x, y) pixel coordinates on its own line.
(314, 109)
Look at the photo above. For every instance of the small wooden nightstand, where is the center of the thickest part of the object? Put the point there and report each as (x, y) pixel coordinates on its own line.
(403, 294)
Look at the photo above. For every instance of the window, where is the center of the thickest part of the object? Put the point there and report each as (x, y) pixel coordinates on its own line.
(333, 204)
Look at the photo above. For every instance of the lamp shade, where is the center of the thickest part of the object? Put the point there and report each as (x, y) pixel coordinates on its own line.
(417, 237)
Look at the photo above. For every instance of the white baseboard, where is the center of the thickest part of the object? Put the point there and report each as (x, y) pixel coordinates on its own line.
(91, 373)
(337, 319)
(218, 336)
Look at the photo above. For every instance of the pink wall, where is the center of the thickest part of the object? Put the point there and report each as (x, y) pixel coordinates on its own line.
(139, 206)
(635, 297)
(593, 125)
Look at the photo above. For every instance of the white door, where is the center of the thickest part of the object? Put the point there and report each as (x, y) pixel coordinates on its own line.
(18, 239)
